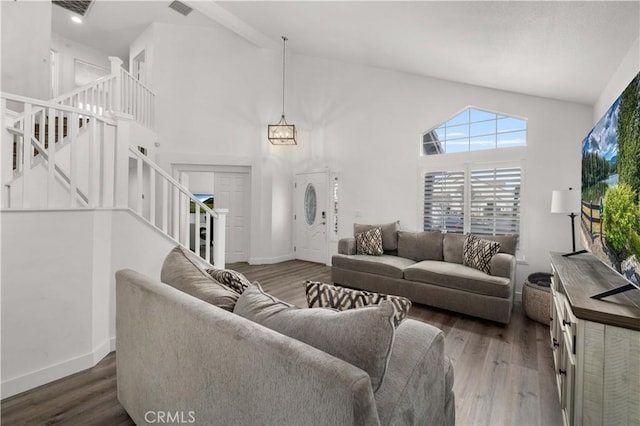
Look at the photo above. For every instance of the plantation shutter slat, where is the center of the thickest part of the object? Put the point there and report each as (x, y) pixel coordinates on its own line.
(444, 201)
(495, 201)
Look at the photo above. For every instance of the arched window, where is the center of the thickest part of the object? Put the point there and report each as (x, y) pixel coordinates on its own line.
(474, 130)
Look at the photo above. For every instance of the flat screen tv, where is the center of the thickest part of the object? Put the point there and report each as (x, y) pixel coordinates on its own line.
(610, 216)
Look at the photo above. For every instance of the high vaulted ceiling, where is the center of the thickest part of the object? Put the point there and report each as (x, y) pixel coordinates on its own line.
(559, 49)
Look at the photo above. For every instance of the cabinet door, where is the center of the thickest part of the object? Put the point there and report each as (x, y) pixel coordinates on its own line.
(568, 373)
(555, 328)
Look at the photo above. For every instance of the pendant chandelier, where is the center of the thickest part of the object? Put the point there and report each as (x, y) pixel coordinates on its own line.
(282, 133)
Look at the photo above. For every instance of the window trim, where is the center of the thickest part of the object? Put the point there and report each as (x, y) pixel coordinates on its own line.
(466, 168)
(469, 137)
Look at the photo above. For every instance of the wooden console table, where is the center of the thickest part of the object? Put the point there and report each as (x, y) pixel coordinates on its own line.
(596, 343)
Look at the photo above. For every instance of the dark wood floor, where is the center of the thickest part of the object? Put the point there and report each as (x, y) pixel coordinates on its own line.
(503, 375)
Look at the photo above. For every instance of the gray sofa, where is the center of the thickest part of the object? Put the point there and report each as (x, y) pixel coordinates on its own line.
(426, 267)
(179, 354)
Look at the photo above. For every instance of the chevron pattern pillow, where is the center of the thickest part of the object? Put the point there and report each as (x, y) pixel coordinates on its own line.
(369, 242)
(321, 295)
(232, 279)
(477, 253)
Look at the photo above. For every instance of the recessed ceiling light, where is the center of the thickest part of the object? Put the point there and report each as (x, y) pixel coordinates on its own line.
(76, 19)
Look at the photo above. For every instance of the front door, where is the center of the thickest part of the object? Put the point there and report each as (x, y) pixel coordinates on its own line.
(311, 217)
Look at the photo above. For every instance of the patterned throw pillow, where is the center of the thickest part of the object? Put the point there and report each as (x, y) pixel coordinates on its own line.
(321, 295)
(369, 242)
(477, 253)
(232, 279)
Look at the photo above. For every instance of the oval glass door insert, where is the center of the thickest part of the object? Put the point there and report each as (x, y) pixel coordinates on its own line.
(310, 204)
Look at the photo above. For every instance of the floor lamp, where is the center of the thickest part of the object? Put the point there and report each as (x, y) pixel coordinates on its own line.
(567, 201)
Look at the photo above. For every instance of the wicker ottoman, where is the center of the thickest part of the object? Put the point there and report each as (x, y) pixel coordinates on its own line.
(536, 297)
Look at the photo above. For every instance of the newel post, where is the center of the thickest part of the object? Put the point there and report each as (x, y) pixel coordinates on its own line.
(6, 154)
(116, 66)
(123, 141)
(219, 235)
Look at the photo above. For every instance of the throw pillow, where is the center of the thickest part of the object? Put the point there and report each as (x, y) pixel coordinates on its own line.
(230, 278)
(389, 233)
(321, 295)
(477, 253)
(361, 337)
(180, 270)
(369, 242)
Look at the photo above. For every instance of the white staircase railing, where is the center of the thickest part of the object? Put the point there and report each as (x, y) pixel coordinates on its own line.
(166, 204)
(136, 99)
(116, 92)
(28, 142)
(93, 170)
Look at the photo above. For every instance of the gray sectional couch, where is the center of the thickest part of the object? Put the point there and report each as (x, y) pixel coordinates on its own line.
(427, 268)
(180, 355)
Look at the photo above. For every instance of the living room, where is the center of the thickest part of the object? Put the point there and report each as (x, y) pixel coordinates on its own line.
(218, 82)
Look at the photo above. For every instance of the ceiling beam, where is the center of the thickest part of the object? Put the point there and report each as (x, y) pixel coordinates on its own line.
(230, 21)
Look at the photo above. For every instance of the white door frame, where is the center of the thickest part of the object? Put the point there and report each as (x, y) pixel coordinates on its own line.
(297, 201)
(178, 168)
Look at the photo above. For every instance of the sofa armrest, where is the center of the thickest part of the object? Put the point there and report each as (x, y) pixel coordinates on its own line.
(413, 390)
(504, 265)
(177, 353)
(347, 246)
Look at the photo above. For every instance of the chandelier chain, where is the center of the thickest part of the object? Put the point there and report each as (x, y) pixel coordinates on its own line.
(284, 51)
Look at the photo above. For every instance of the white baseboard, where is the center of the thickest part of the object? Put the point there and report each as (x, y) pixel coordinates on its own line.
(57, 371)
(270, 260)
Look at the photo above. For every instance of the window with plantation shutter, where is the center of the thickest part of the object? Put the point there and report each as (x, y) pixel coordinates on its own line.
(444, 201)
(494, 201)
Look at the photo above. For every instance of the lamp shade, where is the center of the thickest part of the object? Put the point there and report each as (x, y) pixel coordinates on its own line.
(565, 201)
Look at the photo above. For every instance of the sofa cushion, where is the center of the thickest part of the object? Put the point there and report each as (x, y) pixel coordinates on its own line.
(420, 246)
(460, 277)
(321, 295)
(389, 233)
(369, 242)
(477, 253)
(452, 247)
(181, 270)
(230, 278)
(508, 243)
(362, 337)
(385, 265)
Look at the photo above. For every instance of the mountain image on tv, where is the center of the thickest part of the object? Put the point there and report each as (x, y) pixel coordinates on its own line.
(611, 185)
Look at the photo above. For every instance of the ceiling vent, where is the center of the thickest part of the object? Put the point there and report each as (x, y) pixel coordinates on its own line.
(76, 6)
(180, 7)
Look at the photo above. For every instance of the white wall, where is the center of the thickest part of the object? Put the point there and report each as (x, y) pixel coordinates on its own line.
(626, 71)
(25, 54)
(368, 123)
(47, 267)
(201, 182)
(58, 288)
(70, 51)
(215, 95)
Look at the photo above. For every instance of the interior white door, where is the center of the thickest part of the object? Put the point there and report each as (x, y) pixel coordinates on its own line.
(232, 191)
(311, 217)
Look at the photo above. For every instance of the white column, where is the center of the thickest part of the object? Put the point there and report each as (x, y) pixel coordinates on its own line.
(6, 154)
(116, 66)
(219, 237)
(123, 140)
